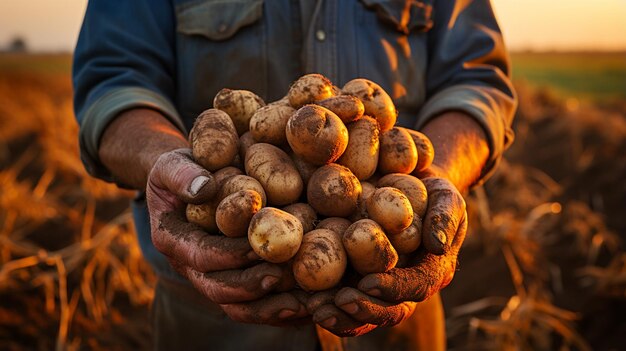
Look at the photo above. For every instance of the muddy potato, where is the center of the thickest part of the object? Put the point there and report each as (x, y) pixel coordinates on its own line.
(234, 213)
(390, 208)
(361, 154)
(241, 182)
(348, 108)
(305, 169)
(275, 235)
(409, 239)
(224, 174)
(268, 123)
(305, 213)
(368, 248)
(282, 101)
(425, 150)
(316, 135)
(214, 140)
(276, 172)
(203, 215)
(240, 105)
(397, 152)
(321, 260)
(333, 191)
(361, 212)
(336, 224)
(411, 187)
(309, 89)
(376, 101)
(245, 141)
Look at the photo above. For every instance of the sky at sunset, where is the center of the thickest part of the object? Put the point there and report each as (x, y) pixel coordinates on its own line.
(529, 24)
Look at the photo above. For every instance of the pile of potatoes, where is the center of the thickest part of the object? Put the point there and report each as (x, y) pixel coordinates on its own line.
(318, 179)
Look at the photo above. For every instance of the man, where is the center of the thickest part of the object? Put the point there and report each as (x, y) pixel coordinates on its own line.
(144, 70)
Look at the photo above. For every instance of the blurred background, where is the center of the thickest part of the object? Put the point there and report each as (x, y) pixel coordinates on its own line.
(544, 266)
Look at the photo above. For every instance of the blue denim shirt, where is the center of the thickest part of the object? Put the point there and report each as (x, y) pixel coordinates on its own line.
(175, 55)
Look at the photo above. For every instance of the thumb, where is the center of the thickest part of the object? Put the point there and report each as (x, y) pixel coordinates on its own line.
(176, 173)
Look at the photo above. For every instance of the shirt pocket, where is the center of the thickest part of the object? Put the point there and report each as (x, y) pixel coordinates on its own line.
(406, 16)
(220, 44)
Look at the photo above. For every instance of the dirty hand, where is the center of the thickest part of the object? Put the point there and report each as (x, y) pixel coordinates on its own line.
(386, 299)
(222, 269)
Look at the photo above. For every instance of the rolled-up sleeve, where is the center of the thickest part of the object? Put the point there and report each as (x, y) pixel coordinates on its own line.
(469, 71)
(124, 59)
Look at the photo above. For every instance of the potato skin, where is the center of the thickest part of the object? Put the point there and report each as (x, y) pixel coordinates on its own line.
(276, 172)
(348, 108)
(240, 105)
(409, 239)
(336, 224)
(411, 187)
(305, 213)
(333, 191)
(361, 212)
(316, 135)
(305, 169)
(390, 208)
(268, 123)
(425, 150)
(224, 174)
(309, 89)
(321, 260)
(361, 154)
(275, 235)
(214, 140)
(376, 101)
(245, 141)
(203, 215)
(234, 213)
(241, 182)
(398, 153)
(368, 248)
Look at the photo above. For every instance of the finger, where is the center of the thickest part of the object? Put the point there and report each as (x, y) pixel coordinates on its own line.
(336, 321)
(191, 246)
(235, 286)
(446, 208)
(430, 274)
(175, 175)
(321, 298)
(367, 309)
(279, 309)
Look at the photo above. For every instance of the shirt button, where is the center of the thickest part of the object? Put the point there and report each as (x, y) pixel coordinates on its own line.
(320, 35)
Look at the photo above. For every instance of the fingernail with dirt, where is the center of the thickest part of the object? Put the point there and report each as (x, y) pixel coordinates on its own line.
(329, 322)
(286, 314)
(374, 292)
(252, 256)
(197, 184)
(440, 236)
(268, 282)
(351, 308)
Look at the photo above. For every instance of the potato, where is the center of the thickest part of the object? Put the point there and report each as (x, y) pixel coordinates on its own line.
(368, 248)
(347, 108)
(316, 135)
(333, 191)
(376, 101)
(276, 172)
(240, 105)
(282, 101)
(305, 213)
(305, 169)
(268, 124)
(361, 154)
(275, 235)
(203, 215)
(425, 150)
(321, 260)
(245, 141)
(411, 187)
(361, 212)
(409, 239)
(397, 152)
(234, 213)
(309, 89)
(241, 182)
(224, 174)
(336, 224)
(214, 140)
(390, 208)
